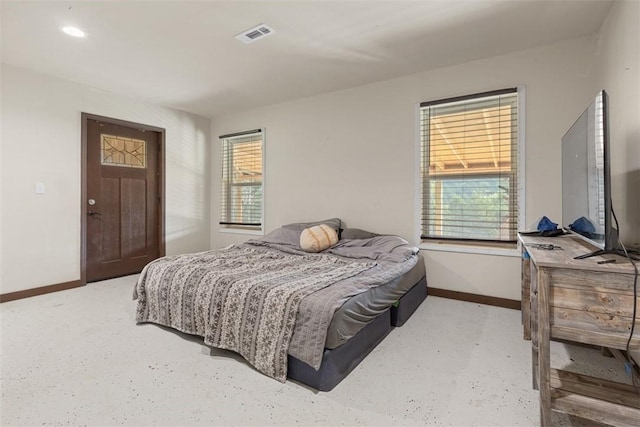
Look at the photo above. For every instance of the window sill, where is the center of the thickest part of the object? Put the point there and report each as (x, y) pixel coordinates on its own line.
(242, 231)
(510, 251)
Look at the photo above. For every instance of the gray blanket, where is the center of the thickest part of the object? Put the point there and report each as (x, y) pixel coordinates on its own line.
(242, 298)
(393, 257)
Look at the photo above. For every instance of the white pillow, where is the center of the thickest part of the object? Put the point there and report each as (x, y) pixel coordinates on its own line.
(318, 238)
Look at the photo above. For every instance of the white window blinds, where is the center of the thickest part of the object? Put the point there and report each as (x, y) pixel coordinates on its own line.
(242, 193)
(469, 167)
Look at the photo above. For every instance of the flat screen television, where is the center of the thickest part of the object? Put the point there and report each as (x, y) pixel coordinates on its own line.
(587, 209)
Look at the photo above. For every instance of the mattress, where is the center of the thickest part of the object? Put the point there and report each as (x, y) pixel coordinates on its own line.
(337, 363)
(361, 309)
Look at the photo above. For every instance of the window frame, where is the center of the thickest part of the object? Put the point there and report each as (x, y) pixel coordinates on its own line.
(228, 226)
(462, 245)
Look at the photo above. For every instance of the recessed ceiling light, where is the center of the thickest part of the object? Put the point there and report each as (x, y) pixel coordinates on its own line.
(73, 31)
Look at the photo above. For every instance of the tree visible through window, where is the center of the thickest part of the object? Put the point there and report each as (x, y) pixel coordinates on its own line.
(469, 164)
(242, 195)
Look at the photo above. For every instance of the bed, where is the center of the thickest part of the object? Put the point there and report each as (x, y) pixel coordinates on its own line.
(310, 317)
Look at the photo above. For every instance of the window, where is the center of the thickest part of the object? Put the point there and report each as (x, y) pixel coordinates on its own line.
(122, 151)
(469, 167)
(242, 183)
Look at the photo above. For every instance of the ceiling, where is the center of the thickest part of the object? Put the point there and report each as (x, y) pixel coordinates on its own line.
(184, 54)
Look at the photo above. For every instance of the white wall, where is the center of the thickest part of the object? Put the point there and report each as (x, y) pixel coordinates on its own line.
(352, 154)
(618, 72)
(41, 143)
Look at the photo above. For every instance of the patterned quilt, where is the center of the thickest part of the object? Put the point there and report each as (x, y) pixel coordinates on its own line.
(242, 298)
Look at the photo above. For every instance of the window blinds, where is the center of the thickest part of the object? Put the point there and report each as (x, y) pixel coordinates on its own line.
(242, 193)
(469, 163)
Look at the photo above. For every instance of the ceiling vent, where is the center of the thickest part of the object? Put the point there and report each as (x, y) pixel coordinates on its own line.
(259, 32)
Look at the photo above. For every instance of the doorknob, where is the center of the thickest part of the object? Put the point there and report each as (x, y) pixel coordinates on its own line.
(92, 213)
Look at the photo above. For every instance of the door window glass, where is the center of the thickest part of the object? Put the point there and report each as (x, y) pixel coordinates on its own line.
(124, 152)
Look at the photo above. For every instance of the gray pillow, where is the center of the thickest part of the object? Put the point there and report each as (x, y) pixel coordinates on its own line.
(299, 226)
(280, 236)
(356, 233)
(290, 234)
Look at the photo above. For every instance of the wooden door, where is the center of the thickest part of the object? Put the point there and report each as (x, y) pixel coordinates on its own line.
(122, 199)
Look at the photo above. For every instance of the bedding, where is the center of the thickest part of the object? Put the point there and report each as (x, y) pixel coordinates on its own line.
(393, 257)
(356, 233)
(357, 311)
(240, 298)
(267, 298)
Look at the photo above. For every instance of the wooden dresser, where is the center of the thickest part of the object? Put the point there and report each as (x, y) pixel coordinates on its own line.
(585, 302)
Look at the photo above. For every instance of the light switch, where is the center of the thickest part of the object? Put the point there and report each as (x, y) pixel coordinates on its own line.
(39, 188)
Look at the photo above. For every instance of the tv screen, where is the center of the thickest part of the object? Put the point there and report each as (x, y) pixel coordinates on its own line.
(585, 175)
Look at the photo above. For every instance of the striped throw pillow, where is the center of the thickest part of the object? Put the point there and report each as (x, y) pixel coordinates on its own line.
(318, 238)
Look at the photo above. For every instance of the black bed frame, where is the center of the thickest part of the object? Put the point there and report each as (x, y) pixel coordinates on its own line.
(339, 362)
